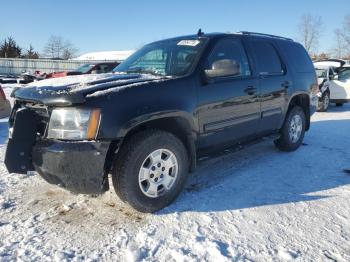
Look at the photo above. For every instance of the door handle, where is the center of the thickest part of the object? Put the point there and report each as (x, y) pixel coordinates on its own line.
(286, 84)
(250, 90)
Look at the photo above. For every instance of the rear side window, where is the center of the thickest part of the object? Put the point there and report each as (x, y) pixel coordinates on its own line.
(297, 57)
(268, 61)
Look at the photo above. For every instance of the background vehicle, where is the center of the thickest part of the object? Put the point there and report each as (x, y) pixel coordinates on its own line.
(334, 82)
(5, 106)
(169, 103)
(92, 68)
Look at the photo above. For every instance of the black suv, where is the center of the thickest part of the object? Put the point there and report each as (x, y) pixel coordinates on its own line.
(161, 109)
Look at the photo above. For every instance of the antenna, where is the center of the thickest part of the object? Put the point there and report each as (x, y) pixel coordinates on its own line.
(200, 33)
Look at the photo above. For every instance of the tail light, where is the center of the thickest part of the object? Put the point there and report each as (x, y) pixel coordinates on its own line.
(2, 93)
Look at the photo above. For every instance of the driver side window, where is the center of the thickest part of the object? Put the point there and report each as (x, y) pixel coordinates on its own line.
(230, 51)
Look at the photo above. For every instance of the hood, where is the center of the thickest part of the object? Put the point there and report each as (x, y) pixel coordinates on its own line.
(70, 90)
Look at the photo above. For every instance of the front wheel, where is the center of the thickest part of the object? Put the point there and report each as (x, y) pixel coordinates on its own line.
(292, 131)
(323, 103)
(150, 170)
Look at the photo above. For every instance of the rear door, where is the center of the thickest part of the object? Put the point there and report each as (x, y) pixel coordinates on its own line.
(229, 109)
(273, 83)
(340, 86)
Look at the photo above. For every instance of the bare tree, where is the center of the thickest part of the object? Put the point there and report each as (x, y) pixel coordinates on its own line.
(342, 40)
(69, 51)
(310, 29)
(57, 47)
(346, 35)
(338, 50)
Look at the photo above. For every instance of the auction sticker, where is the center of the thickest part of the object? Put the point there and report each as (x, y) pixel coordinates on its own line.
(189, 42)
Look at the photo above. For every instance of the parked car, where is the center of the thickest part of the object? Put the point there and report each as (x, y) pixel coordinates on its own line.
(24, 78)
(5, 106)
(334, 83)
(91, 68)
(165, 106)
(8, 79)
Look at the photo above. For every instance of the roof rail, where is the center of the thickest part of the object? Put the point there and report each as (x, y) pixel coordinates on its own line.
(266, 35)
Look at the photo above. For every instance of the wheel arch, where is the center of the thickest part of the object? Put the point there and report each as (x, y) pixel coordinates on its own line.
(301, 99)
(177, 123)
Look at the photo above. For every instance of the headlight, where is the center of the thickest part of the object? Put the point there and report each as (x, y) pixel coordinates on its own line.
(74, 124)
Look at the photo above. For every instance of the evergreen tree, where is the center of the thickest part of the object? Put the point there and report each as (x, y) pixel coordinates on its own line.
(10, 49)
(31, 54)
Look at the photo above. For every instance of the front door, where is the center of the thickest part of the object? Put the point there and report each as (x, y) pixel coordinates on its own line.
(229, 108)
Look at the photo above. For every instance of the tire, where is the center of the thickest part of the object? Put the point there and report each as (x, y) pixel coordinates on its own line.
(134, 154)
(286, 142)
(339, 104)
(323, 103)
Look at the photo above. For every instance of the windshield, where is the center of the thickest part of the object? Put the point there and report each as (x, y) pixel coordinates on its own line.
(84, 68)
(321, 73)
(166, 58)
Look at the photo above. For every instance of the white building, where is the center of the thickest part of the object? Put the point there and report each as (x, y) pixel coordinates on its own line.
(106, 55)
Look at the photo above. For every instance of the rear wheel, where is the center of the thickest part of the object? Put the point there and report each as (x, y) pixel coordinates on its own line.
(323, 103)
(293, 130)
(150, 170)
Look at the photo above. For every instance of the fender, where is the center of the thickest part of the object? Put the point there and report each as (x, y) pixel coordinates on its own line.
(142, 119)
(182, 120)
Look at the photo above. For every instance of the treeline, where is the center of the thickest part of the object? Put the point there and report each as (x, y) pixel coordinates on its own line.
(55, 48)
(10, 49)
(311, 34)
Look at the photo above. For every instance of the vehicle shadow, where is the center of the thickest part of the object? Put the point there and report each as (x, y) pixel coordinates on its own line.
(333, 108)
(261, 175)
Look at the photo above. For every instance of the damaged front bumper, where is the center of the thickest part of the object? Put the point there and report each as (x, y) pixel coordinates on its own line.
(78, 166)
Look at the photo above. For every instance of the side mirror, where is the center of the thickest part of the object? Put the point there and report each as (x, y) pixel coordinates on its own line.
(223, 67)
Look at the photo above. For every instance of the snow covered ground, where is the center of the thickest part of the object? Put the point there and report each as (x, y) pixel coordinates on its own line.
(256, 204)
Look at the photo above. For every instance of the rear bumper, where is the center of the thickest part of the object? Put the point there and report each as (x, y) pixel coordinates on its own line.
(340, 101)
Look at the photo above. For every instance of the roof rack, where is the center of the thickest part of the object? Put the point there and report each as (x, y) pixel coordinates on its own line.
(266, 35)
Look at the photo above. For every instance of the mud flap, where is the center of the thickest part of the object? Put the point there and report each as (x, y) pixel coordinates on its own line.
(18, 157)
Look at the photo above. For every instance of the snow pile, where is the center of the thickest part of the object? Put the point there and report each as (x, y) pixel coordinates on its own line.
(256, 204)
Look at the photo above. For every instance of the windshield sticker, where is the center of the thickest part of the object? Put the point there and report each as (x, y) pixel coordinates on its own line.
(189, 42)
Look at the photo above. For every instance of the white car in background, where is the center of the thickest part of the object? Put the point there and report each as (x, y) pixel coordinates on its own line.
(334, 82)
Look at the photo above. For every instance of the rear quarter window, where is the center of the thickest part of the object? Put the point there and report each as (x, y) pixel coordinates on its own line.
(297, 57)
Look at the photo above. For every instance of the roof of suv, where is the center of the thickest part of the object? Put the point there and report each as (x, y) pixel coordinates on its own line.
(218, 34)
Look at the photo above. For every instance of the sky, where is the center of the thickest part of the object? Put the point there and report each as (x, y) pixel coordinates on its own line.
(126, 25)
